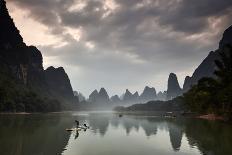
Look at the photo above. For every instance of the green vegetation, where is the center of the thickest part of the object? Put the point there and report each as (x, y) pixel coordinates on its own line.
(16, 97)
(214, 95)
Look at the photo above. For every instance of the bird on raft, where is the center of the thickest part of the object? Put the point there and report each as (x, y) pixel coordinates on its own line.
(78, 127)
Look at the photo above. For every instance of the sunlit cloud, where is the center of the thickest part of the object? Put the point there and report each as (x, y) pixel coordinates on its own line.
(33, 32)
(90, 45)
(77, 6)
(76, 33)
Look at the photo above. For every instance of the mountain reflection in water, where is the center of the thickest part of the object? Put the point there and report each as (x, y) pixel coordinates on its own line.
(109, 134)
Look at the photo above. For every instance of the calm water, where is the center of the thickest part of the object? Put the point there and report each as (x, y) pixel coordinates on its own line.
(112, 135)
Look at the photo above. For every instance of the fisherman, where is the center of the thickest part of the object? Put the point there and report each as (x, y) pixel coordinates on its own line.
(77, 123)
(82, 127)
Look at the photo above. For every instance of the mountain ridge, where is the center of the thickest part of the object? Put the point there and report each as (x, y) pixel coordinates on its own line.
(207, 66)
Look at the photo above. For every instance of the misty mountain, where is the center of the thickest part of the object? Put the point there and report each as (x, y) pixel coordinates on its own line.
(115, 99)
(80, 96)
(100, 97)
(162, 96)
(148, 94)
(135, 96)
(58, 82)
(187, 83)
(128, 96)
(75, 93)
(93, 96)
(174, 89)
(103, 96)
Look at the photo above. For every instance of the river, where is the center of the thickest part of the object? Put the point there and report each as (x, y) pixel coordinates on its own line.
(109, 134)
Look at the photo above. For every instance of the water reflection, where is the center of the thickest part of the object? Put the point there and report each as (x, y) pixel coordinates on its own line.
(150, 126)
(98, 123)
(201, 134)
(175, 133)
(213, 138)
(110, 134)
(77, 134)
(34, 134)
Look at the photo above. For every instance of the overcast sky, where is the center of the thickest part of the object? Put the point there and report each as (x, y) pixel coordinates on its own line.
(120, 44)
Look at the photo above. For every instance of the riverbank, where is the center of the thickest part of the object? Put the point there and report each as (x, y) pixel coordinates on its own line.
(14, 113)
(211, 117)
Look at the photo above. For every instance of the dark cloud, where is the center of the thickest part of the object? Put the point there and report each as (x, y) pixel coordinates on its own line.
(135, 42)
(192, 17)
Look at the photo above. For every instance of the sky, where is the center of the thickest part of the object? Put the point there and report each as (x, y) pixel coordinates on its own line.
(122, 44)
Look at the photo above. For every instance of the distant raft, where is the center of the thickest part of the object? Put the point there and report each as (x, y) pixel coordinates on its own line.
(73, 129)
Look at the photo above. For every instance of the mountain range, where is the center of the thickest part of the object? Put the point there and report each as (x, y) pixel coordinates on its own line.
(205, 69)
(128, 98)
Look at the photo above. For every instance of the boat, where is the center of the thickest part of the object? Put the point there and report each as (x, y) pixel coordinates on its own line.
(74, 129)
(84, 127)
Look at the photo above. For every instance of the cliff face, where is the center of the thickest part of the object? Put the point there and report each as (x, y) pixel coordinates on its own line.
(226, 38)
(9, 34)
(103, 96)
(100, 97)
(135, 96)
(79, 95)
(25, 63)
(162, 96)
(187, 83)
(93, 97)
(58, 82)
(128, 96)
(148, 94)
(174, 89)
(207, 67)
(115, 99)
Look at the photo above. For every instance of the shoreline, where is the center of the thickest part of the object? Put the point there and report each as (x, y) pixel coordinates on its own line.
(211, 117)
(15, 113)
